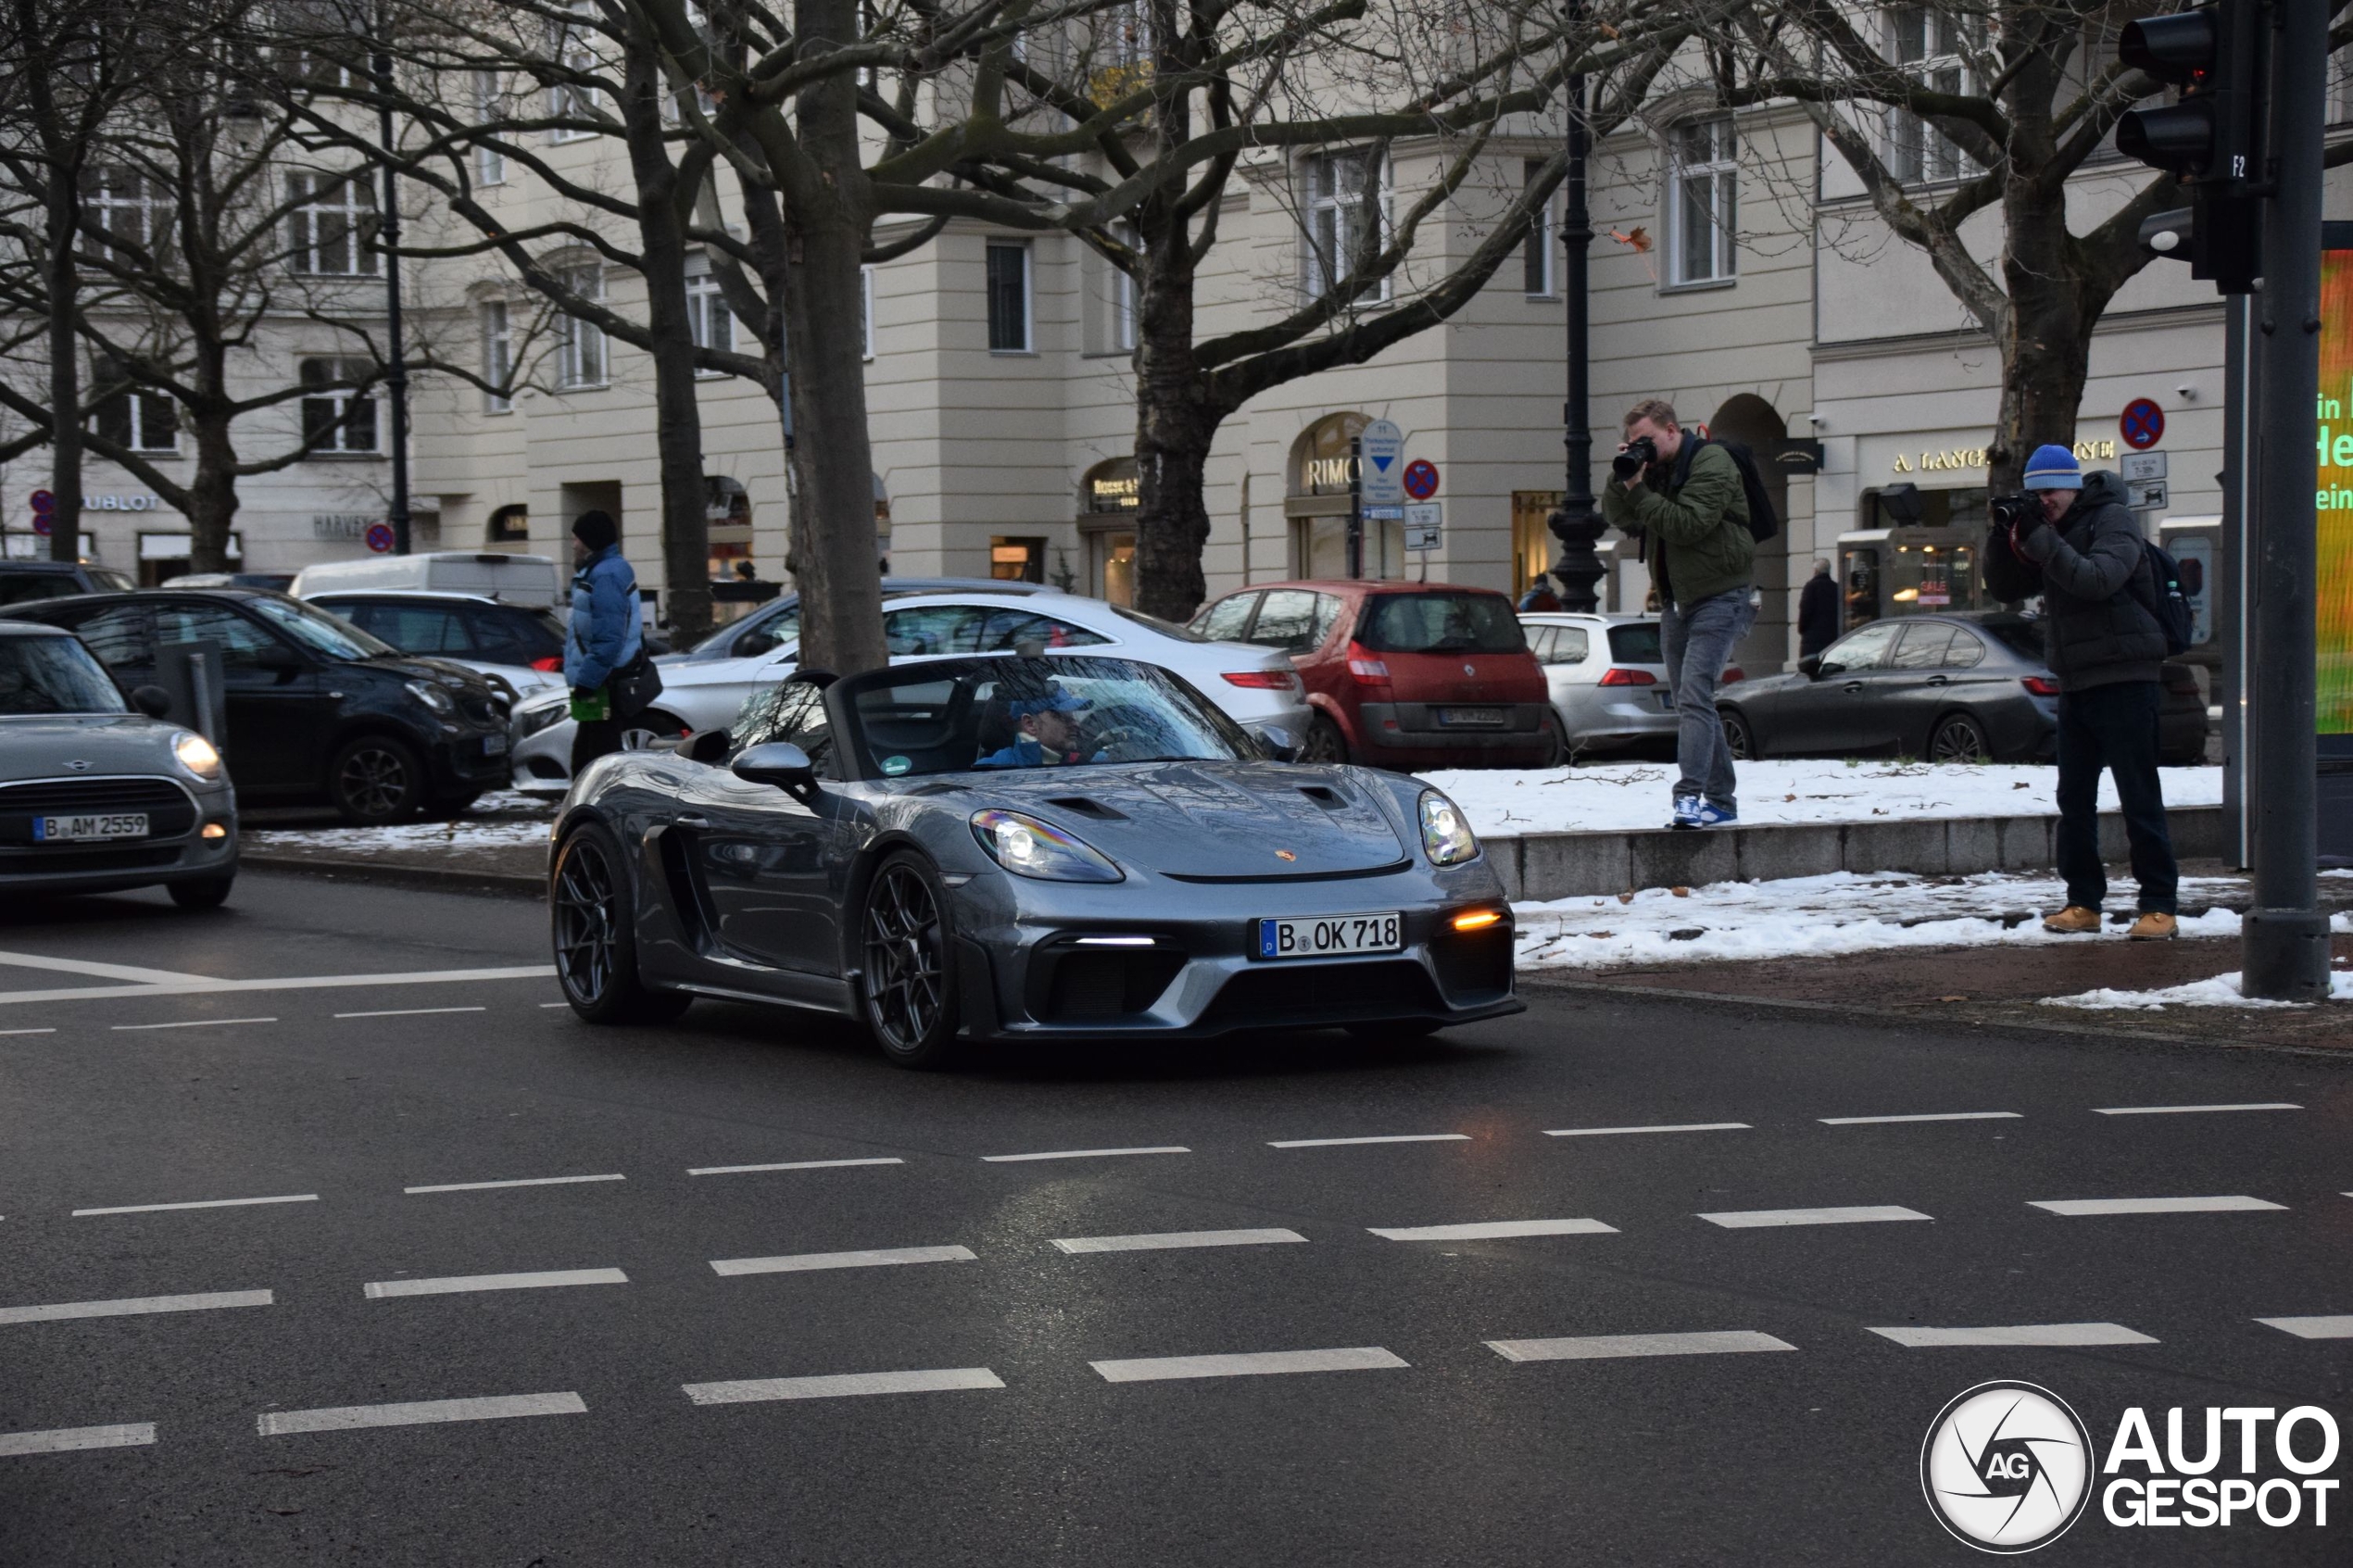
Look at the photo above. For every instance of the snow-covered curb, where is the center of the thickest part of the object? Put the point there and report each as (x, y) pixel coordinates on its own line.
(497, 821)
(2222, 991)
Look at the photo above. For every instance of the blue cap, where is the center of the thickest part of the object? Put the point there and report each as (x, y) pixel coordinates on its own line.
(2053, 467)
(1054, 700)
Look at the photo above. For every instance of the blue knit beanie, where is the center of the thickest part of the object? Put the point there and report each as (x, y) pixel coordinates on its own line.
(2053, 467)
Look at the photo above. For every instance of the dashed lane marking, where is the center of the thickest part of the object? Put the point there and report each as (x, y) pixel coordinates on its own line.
(133, 1434)
(1083, 1154)
(841, 1385)
(192, 1023)
(459, 1285)
(1663, 1127)
(409, 1012)
(278, 1423)
(1173, 1239)
(1387, 1137)
(1931, 1116)
(519, 1182)
(1615, 1347)
(2337, 1327)
(2234, 1204)
(792, 1165)
(137, 1306)
(1864, 1214)
(2067, 1335)
(27, 1030)
(207, 1203)
(802, 1263)
(555, 1004)
(198, 985)
(1260, 1363)
(101, 971)
(1494, 1230)
(2190, 1109)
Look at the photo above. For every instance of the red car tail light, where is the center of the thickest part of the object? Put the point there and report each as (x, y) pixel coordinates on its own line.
(548, 665)
(1367, 670)
(1620, 676)
(2041, 685)
(1262, 679)
(1732, 672)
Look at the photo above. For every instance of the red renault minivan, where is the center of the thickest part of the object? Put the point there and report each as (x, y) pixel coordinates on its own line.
(1409, 675)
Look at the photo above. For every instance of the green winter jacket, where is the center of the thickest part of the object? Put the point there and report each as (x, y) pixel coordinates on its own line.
(1696, 535)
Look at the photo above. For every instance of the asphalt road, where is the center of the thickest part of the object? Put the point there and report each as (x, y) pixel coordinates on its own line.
(428, 1139)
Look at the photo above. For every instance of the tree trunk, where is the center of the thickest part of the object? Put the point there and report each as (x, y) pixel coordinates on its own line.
(1176, 422)
(2047, 337)
(211, 504)
(62, 285)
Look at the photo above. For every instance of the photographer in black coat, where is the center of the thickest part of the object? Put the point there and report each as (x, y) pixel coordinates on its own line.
(2071, 539)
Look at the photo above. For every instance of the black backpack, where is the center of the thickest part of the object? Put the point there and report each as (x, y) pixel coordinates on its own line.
(2169, 606)
(1763, 521)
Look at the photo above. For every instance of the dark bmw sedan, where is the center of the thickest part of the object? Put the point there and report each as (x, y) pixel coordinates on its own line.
(1950, 688)
(318, 711)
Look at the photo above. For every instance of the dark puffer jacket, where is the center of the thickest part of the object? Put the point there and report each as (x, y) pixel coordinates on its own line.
(2096, 586)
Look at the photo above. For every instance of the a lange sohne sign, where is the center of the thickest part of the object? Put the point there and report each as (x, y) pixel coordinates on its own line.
(1974, 457)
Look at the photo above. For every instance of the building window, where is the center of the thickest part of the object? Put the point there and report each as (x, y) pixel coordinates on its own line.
(707, 315)
(511, 525)
(573, 47)
(334, 219)
(1536, 261)
(129, 209)
(580, 347)
(866, 312)
(1347, 209)
(129, 417)
(498, 358)
(1009, 298)
(1703, 202)
(335, 417)
(490, 164)
(1934, 49)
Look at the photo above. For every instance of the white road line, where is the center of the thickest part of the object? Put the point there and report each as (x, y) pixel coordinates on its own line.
(27, 1030)
(100, 971)
(136, 1305)
(1663, 1127)
(1368, 1358)
(278, 1423)
(555, 1004)
(192, 1023)
(1171, 1239)
(802, 1263)
(1389, 1137)
(1614, 1346)
(1931, 1116)
(66, 1439)
(208, 1203)
(1083, 1154)
(2062, 1335)
(1493, 1230)
(409, 1012)
(751, 1390)
(2337, 1327)
(2077, 1206)
(198, 986)
(2189, 1109)
(792, 1165)
(520, 1182)
(1755, 1219)
(461, 1284)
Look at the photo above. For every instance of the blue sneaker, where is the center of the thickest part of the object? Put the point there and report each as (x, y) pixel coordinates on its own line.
(1687, 812)
(1711, 815)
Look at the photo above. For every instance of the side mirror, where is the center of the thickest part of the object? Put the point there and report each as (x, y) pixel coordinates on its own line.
(780, 763)
(1811, 666)
(753, 644)
(153, 701)
(707, 746)
(1279, 744)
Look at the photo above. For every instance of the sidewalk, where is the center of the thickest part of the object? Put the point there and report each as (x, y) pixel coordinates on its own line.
(500, 846)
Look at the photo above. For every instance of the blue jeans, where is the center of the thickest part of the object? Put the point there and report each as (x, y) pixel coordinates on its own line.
(1698, 640)
(2113, 727)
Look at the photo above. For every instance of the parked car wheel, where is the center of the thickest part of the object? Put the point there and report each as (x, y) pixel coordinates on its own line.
(208, 894)
(652, 728)
(376, 780)
(1737, 735)
(907, 977)
(1324, 743)
(594, 933)
(1958, 738)
(1556, 733)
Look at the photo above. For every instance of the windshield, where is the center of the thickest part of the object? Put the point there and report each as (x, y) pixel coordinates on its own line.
(1635, 644)
(1441, 623)
(951, 716)
(54, 675)
(318, 631)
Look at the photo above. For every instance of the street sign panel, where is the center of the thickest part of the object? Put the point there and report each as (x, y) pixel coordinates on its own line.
(1384, 514)
(2139, 465)
(1382, 479)
(1421, 478)
(378, 537)
(2141, 424)
(2150, 495)
(1424, 525)
(42, 501)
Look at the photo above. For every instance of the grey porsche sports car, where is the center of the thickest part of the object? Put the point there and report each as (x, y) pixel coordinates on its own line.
(1009, 846)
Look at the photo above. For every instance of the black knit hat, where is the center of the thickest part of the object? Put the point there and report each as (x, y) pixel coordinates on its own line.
(596, 530)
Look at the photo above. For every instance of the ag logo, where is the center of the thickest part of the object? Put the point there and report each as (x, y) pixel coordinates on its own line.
(2007, 1467)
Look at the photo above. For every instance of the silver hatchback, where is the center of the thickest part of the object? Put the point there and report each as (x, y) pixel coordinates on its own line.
(1606, 677)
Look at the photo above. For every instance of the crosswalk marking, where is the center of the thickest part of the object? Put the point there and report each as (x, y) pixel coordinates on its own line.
(2065, 1335)
(64, 1439)
(459, 1284)
(136, 1306)
(799, 1262)
(1753, 1219)
(1492, 1230)
(1614, 1346)
(344, 1418)
(842, 1385)
(1260, 1363)
(1169, 1240)
(2237, 1203)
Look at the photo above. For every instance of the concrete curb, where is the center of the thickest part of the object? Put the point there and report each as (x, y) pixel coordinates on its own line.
(1570, 865)
(455, 879)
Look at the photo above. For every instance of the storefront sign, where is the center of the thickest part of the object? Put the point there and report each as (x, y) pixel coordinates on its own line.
(1972, 457)
(1327, 476)
(1118, 495)
(121, 503)
(341, 525)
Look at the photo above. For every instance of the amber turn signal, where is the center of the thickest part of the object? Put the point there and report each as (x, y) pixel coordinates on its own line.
(1477, 920)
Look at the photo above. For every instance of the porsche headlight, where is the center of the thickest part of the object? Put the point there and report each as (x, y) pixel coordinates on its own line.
(432, 696)
(196, 755)
(1446, 838)
(1028, 848)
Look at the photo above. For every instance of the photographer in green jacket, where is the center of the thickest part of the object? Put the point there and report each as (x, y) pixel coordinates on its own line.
(1680, 495)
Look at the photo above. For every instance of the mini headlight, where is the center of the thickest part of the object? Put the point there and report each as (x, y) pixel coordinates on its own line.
(1028, 848)
(196, 755)
(432, 696)
(1446, 838)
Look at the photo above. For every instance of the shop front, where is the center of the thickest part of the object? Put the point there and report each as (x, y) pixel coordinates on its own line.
(1317, 504)
(1107, 501)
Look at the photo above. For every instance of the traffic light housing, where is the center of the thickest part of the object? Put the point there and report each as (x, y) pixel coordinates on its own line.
(2210, 138)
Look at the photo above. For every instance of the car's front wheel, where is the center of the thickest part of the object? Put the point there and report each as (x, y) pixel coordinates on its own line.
(595, 935)
(376, 780)
(650, 729)
(906, 979)
(1738, 734)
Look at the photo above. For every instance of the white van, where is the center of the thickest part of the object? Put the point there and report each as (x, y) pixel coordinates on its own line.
(515, 580)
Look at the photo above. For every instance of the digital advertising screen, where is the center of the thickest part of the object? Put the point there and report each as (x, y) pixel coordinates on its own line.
(2335, 500)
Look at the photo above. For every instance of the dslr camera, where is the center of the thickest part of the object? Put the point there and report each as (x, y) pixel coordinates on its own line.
(2012, 511)
(1640, 454)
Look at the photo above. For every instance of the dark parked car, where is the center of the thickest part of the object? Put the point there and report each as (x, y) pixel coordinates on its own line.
(317, 709)
(521, 645)
(1951, 688)
(1402, 674)
(23, 581)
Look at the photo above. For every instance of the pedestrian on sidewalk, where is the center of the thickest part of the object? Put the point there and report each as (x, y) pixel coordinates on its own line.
(1681, 495)
(1540, 598)
(1818, 611)
(604, 638)
(2080, 544)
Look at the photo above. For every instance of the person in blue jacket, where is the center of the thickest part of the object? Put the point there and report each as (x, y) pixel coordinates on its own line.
(1043, 734)
(605, 634)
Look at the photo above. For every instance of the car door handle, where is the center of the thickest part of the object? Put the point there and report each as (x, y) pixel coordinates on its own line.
(690, 821)
(1939, 680)
(1851, 687)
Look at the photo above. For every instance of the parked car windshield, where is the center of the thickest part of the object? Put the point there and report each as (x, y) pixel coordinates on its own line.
(1441, 623)
(318, 631)
(54, 675)
(948, 717)
(1635, 644)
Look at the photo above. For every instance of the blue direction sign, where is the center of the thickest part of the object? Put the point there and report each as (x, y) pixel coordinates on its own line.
(1383, 481)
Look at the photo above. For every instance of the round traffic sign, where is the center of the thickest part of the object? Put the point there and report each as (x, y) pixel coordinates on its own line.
(41, 522)
(1421, 478)
(2143, 424)
(378, 537)
(42, 501)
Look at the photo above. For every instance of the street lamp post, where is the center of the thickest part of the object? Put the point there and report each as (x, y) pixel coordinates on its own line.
(1575, 524)
(396, 368)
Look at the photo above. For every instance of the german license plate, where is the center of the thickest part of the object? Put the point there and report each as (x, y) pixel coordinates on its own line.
(64, 830)
(1489, 717)
(494, 746)
(1329, 935)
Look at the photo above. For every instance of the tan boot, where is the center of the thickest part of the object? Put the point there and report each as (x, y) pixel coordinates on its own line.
(2155, 927)
(2074, 920)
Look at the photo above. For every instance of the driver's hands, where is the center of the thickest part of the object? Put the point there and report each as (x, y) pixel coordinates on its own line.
(1118, 734)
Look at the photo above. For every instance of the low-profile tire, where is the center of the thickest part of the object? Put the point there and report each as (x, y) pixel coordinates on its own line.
(1957, 737)
(644, 731)
(594, 932)
(1324, 743)
(375, 780)
(906, 983)
(210, 893)
(1739, 734)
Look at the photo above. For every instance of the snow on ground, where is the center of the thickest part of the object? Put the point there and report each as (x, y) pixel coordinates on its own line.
(1619, 796)
(2222, 991)
(496, 821)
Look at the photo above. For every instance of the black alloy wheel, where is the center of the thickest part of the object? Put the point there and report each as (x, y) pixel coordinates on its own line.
(596, 938)
(1738, 736)
(1958, 738)
(376, 780)
(906, 983)
(1324, 743)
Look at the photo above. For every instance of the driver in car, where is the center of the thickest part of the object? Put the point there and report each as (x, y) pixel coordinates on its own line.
(1043, 732)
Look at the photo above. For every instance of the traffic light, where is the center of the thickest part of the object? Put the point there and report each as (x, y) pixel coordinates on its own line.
(2210, 138)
